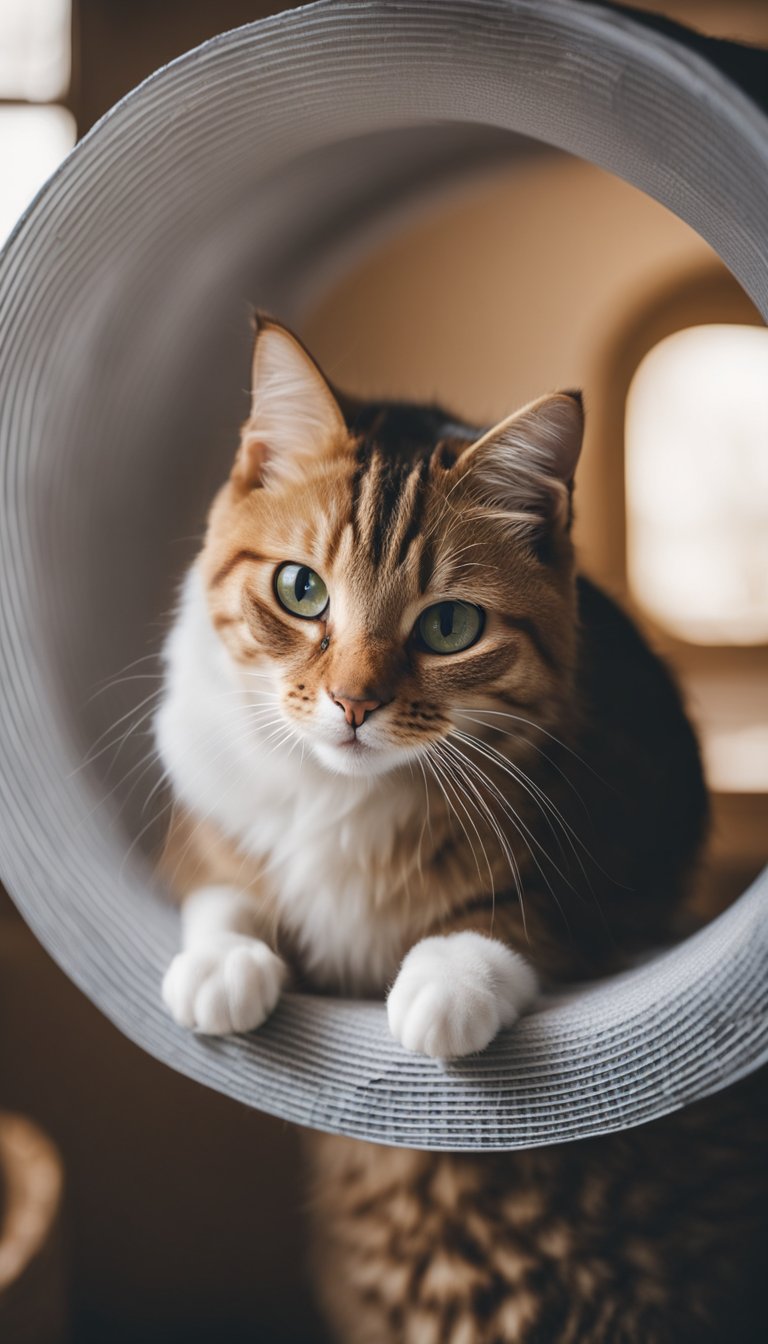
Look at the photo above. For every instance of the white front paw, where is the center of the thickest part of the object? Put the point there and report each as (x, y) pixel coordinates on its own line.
(230, 986)
(453, 993)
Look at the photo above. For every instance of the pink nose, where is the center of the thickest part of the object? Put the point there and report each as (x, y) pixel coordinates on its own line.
(355, 711)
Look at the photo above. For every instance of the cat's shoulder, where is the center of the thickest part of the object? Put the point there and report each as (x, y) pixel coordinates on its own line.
(610, 637)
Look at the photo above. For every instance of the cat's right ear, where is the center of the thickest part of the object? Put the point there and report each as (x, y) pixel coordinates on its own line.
(523, 468)
(294, 417)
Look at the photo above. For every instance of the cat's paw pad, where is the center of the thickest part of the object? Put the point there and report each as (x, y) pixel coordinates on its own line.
(453, 994)
(233, 986)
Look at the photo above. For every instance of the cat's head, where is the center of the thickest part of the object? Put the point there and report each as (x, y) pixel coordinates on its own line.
(384, 570)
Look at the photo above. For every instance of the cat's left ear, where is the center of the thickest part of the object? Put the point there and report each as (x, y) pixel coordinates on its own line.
(294, 414)
(523, 468)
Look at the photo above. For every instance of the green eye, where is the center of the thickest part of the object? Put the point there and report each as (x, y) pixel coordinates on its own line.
(301, 591)
(449, 627)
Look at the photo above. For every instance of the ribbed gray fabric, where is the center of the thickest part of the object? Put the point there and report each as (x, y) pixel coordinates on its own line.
(236, 173)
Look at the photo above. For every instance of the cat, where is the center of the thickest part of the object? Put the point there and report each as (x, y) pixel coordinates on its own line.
(415, 755)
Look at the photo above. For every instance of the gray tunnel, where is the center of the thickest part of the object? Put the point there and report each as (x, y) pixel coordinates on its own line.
(249, 167)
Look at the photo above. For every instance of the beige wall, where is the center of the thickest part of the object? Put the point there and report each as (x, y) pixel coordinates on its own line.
(739, 20)
(514, 287)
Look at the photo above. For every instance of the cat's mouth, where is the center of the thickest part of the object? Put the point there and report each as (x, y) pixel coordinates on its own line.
(367, 748)
(355, 756)
(352, 756)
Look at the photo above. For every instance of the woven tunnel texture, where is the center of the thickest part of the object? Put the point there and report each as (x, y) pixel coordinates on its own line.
(235, 173)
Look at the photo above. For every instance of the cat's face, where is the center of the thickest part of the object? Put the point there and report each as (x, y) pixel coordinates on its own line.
(378, 577)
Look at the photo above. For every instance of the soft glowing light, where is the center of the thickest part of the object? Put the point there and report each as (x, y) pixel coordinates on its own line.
(34, 49)
(33, 141)
(731, 710)
(736, 759)
(697, 484)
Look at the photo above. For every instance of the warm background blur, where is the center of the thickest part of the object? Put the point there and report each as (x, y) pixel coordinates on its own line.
(181, 1212)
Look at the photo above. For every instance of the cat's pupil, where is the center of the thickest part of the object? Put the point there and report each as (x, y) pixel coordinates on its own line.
(446, 619)
(302, 583)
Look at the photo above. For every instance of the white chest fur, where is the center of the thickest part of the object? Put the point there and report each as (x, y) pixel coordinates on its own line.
(326, 842)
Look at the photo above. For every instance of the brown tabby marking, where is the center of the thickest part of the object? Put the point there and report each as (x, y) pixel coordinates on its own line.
(647, 1237)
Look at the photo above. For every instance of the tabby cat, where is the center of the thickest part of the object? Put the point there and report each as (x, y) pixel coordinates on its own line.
(413, 755)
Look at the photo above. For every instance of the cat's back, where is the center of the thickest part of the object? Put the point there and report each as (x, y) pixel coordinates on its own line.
(645, 777)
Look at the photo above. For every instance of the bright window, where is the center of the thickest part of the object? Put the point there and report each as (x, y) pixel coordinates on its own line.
(697, 485)
(35, 134)
(33, 141)
(35, 49)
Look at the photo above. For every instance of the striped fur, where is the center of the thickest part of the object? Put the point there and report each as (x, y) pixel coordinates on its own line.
(541, 788)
